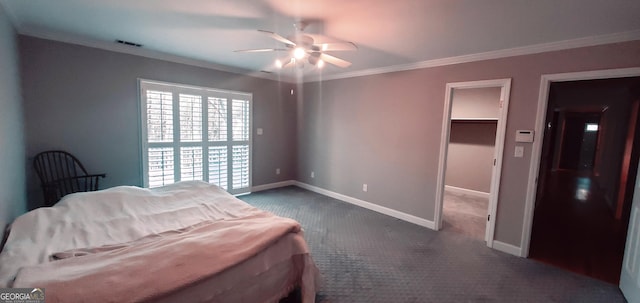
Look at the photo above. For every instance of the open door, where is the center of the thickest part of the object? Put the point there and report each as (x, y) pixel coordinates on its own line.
(500, 135)
(630, 273)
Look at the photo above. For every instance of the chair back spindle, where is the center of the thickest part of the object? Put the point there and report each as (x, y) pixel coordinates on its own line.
(61, 173)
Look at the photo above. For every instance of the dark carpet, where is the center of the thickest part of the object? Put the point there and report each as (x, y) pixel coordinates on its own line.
(368, 257)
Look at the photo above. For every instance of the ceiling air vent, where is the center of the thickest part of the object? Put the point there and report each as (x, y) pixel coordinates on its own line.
(266, 72)
(129, 43)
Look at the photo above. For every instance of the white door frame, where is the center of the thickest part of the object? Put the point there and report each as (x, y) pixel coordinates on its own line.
(505, 88)
(541, 117)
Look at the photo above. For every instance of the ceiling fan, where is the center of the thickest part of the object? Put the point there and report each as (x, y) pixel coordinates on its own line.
(303, 48)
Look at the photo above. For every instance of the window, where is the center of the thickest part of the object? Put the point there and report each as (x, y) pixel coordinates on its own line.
(195, 133)
(591, 127)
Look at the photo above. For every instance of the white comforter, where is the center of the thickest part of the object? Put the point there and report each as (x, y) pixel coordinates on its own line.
(113, 216)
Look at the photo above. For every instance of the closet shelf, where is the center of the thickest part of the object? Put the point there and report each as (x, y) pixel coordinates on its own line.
(474, 119)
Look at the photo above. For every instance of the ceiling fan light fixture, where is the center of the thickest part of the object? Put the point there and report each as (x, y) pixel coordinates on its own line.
(302, 50)
(299, 53)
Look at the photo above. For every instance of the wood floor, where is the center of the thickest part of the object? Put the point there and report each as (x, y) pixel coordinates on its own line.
(574, 229)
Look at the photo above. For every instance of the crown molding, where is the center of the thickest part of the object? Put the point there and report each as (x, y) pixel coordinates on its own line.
(511, 52)
(147, 53)
(504, 53)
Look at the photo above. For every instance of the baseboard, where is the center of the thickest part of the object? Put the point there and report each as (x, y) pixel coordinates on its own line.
(368, 205)
(507, 248)
(465, 191)
(501, 246)
(272, 185)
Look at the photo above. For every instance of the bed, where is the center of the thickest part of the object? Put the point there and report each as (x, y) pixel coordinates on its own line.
(185, 242)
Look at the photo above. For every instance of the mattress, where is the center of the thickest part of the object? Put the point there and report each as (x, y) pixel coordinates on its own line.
(116, 226)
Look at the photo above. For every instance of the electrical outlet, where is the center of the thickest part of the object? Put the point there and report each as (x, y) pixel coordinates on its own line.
(259, 131)
(313, 174)
(364, 187)
(277, 171)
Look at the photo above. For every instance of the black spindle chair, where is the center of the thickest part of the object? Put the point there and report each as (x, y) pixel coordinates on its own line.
(61, 174)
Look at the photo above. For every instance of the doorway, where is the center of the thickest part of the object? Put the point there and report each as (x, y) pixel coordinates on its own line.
(590, 148)
(579, 138)
(474, 125)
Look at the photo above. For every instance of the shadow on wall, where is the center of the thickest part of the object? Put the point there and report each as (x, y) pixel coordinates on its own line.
(473, 133)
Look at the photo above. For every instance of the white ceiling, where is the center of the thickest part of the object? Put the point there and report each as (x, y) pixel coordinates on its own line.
(388, 33)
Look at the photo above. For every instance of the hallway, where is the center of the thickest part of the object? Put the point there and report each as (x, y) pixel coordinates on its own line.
(575, 229)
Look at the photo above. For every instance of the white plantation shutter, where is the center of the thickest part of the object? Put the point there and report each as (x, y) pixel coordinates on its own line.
(217, 112)
(190, 118)
(191, 163)
(240, 117)
(240, 172)
(218, 164)
(240, 150)
(159, 116)
(160, 166)
(195, 133)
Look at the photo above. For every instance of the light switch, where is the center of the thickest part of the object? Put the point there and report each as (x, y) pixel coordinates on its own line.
(259, 131)
(519, 151)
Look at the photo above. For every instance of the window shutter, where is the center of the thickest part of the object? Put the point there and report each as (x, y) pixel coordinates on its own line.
(160, 166)
(190, 118)
(217, 112)
(240, 171)
(159, 116)
(195, 133)
(240, 120)
(218, 166)
(191, 163)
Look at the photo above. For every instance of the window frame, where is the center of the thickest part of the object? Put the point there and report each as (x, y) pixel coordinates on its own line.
(205, 93)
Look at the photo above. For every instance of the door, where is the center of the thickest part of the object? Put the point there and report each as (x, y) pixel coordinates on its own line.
(630, 275)
(574, 224)
(505, 86)
(589, 146)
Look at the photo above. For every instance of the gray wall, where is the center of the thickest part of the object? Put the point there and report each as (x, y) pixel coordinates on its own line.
(384, 129)
(85, 100)
(475, 103)
(12, 163)
(472, 145)
(470, 155)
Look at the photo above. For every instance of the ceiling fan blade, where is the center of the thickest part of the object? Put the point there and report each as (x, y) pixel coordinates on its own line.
(283, 62)
(289, 61)
(259, 50)
(323, 38)
(277, 37)
(337, 46)
(335, 61)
